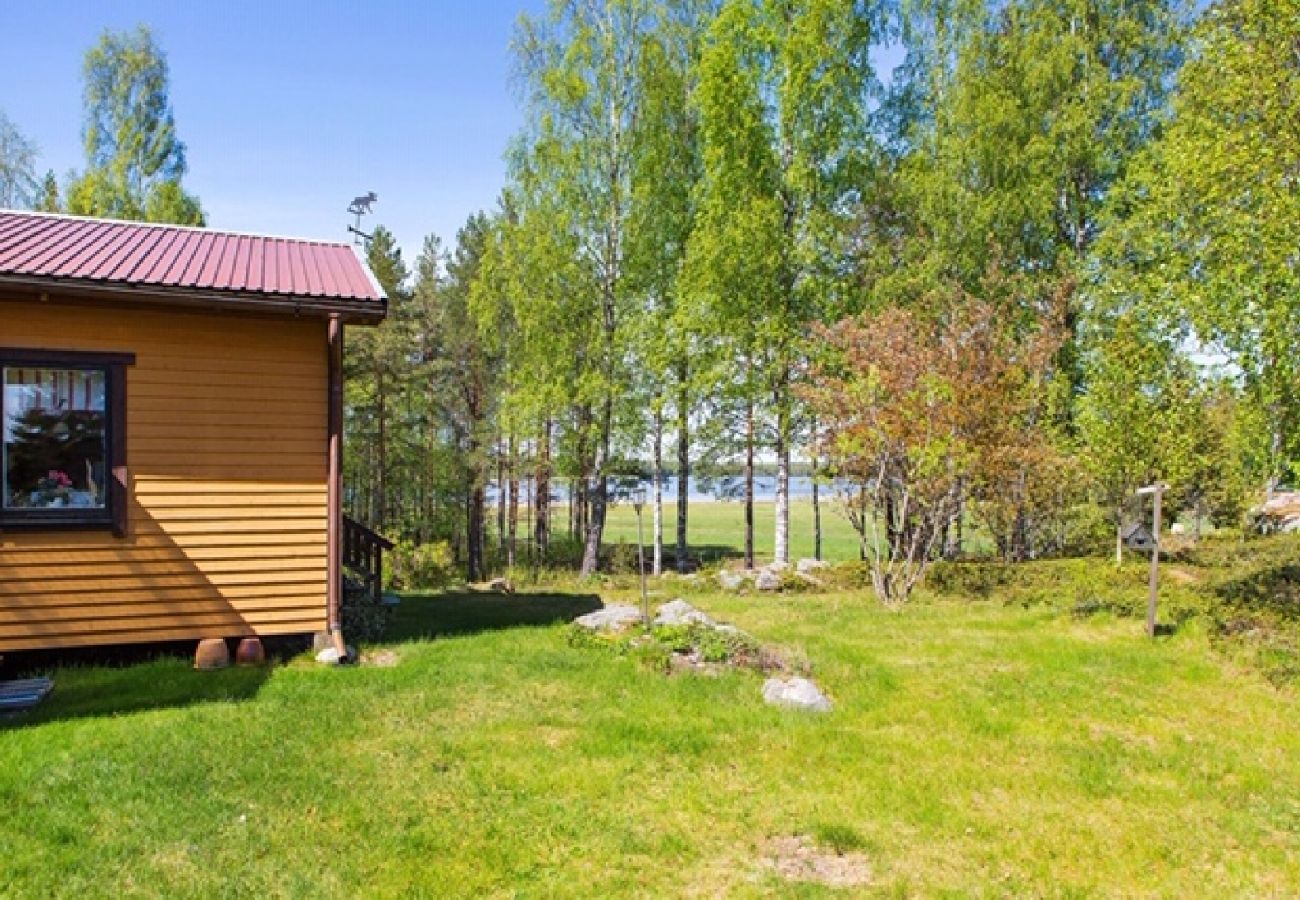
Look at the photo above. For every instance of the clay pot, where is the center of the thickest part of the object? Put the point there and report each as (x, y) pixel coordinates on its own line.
(250, 653)
(211, 653)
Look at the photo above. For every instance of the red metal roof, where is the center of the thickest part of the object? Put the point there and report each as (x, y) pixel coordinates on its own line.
(173, 257)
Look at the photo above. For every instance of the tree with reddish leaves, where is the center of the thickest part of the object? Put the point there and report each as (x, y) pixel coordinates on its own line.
(917, 413)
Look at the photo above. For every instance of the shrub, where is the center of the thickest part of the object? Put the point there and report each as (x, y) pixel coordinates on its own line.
(414, 566)
(362, 618)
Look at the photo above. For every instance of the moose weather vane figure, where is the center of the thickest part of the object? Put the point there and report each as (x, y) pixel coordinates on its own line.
(361, 206)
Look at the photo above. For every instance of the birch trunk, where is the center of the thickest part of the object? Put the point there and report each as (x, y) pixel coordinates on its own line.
(683, 465)
(749, 484)
(512, 515)
(781, 553)
(600, 493)
(542, 528)
(657, 526)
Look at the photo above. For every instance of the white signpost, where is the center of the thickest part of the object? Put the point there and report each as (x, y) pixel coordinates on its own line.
(1156, 491)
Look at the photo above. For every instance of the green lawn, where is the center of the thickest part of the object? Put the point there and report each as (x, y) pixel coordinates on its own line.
(717, 529)
(975, 748)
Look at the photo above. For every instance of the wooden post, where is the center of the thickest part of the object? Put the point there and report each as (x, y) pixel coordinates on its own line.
(334, 486)
(1153, 582)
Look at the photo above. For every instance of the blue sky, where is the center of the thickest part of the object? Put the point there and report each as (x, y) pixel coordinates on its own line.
(290, 108)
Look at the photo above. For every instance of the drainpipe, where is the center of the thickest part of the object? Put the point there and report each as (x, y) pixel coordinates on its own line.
(334, 488)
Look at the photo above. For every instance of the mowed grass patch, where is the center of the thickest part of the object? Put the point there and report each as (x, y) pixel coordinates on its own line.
(974, 748)
(716, 530)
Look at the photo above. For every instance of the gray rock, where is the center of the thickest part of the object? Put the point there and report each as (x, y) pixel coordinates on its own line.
(330, 656)
(808, 566)
(768, 580)
(731, 581)
(796, 693)
(610, 618)
(679, 612)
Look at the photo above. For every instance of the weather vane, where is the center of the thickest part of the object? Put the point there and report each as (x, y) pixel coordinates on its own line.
(360, 206)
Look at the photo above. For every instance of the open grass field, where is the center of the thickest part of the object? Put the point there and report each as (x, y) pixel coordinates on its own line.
(717, 529)
(975, 748)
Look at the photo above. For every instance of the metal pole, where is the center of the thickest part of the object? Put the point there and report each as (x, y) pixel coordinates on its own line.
(1154, 580)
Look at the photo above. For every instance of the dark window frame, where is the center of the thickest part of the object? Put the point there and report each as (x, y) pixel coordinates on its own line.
(113, 515)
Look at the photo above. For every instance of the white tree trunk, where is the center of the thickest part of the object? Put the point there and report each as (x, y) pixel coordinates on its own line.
(658, 526)
(781, 555)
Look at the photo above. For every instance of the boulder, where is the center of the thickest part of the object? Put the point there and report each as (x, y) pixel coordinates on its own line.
(731, 581)
(679, 612)
(796, 693)
(768, 579)
(610, 618)
(808, 566)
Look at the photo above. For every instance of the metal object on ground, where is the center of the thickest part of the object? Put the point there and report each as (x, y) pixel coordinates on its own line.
(25, 693)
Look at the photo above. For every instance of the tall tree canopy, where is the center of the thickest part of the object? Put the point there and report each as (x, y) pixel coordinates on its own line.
(134, 159)
(19, 187)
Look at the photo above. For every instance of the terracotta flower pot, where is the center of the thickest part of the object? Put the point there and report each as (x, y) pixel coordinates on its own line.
(250, 653)
(212, 654)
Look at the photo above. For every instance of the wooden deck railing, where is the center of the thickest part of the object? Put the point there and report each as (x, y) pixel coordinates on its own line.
(363, 556)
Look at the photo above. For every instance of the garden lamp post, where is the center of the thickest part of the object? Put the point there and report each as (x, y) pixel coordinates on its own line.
(638, 503)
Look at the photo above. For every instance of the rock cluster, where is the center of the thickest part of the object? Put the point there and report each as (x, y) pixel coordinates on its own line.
(1278, 515)
(618, 622)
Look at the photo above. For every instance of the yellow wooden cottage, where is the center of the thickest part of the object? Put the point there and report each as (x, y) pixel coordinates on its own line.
(171, 418)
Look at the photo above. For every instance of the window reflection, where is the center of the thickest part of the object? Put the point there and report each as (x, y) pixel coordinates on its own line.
(55, 421)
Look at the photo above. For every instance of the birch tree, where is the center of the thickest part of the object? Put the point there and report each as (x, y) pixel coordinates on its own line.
(783, 96)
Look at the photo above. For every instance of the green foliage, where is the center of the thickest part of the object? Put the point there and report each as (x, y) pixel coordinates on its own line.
(364, 620)
(655, 647)
(19, 187)
(134, 159)
(422, 567)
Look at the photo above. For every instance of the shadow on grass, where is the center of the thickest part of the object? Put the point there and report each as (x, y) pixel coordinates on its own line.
(114, 681)
(471, 612)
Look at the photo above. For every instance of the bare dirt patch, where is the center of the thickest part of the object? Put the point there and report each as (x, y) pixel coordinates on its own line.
(382, 659)
(798, 858)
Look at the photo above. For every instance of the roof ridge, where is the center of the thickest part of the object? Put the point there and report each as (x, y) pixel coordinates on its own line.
(35, 214)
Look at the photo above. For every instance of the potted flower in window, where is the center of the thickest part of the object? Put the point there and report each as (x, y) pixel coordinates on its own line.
(53, 490)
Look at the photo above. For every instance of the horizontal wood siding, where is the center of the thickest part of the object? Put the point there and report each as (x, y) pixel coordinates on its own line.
(226, 424)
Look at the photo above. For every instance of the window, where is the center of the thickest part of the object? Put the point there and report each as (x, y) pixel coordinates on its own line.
(63, 439)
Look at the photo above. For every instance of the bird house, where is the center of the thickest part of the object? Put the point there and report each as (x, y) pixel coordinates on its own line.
(1137, 537)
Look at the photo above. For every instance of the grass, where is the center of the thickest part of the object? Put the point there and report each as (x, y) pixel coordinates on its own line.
(715, 529)
(975, 748)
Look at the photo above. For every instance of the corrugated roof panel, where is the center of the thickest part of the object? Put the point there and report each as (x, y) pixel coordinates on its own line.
(170, 256)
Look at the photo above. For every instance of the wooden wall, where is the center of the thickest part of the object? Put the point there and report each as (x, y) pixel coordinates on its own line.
(226, 419)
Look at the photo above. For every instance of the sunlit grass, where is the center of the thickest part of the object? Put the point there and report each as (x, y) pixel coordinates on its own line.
(974, 748)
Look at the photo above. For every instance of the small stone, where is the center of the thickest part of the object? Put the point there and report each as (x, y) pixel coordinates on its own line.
(767, 580)
(731, 581)
(610, 618)
(809, 565)
(796, 693)
(330, 656)
(679, 612)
